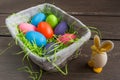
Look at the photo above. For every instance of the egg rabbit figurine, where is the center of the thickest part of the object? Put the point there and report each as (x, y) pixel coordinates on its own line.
(99, 56)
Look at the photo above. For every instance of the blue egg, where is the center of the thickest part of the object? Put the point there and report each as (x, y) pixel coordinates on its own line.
(36, 37)
(38, 18)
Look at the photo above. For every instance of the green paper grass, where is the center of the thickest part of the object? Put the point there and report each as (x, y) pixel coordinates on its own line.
(40, 50)
(10, 44)
(60, 70)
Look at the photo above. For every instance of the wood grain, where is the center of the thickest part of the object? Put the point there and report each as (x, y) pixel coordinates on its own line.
(12, 6)
(86, 6)
(102, 14)
(2, 18)
(109, 26)
(78, 69)
(9, 62)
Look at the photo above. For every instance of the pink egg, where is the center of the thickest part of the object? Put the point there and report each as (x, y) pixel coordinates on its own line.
(25, 27)
(65, 39)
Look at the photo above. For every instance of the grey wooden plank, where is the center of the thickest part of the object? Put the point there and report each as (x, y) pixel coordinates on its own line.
(9, 62)
(90, 6)
(2, 18)
(3, 29)
(86, 6)
(12, 6)
(78, 70)
(109, 26)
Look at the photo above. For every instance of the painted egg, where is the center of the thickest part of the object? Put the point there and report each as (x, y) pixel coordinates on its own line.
(38, 18)
(61, 28)
(66, 38)
(50, 48)
(25, 27)
(45, 29)
(36, 38)
(52, 20)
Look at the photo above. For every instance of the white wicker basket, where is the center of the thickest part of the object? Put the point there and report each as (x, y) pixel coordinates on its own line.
(64, 54)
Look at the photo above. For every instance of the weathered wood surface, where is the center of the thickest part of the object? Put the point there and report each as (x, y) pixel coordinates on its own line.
(109, 26)
(78, 69)
(83, 6)
(103, 14)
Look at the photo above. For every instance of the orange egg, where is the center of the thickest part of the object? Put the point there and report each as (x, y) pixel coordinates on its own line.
(45, 29)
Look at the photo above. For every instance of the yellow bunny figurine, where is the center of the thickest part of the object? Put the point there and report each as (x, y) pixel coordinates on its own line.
(99, 55)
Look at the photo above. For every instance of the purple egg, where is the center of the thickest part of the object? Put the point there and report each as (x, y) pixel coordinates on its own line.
(49, 48)
(61, 28)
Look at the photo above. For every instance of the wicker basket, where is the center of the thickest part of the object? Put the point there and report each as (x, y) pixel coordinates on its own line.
(63, 55)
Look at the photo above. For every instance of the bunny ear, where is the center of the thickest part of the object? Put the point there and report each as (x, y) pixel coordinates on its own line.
(97, 41)
(106, 46)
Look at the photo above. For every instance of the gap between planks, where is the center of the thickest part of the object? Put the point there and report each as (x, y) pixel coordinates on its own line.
(84, 14)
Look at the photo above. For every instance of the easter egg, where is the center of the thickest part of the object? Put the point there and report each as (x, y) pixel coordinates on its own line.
(36, 38)
(25, 27)
(66, 38)
(61, 28)
(50, 48)
(45, 29)
(38, 18)
(52, 20)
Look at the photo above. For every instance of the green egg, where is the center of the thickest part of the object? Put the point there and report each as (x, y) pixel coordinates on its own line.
(52, 20)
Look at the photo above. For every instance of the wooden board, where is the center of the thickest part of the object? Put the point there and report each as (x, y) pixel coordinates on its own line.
(82, 6)
(78, 69)
(103, 14)
(108, 26)
(9, 62)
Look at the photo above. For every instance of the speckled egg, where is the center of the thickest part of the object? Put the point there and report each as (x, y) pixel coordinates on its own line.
(36, 38)
(52, 20)
(61, 28)
(36, 19)
(25, 27)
